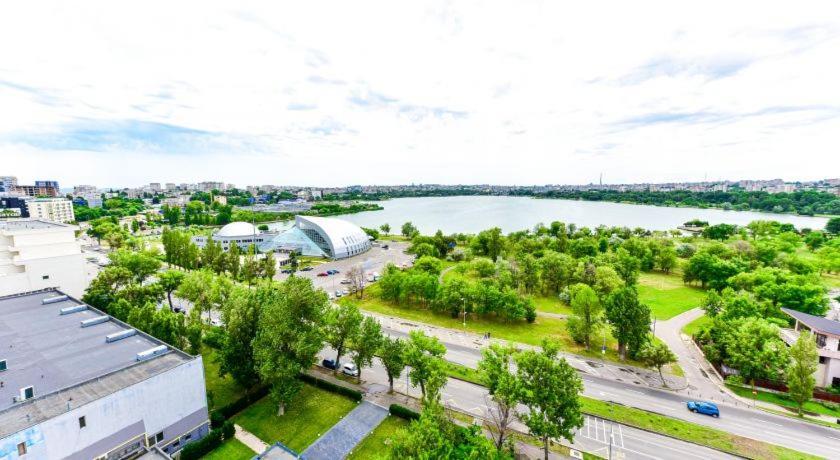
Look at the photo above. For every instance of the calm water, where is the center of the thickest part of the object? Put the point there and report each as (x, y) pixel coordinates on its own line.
(471, 214)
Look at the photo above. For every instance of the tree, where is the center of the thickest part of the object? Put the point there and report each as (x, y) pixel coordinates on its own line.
(241, 315)
(657, 355)
(800, 371)
(587, 313)
(233, 261)
(408, 229)
(719, 231)
(556, 271)
(550, 389)
(170, 280)
(356, 275)
(752, 345)
(630, 320)
(341, 325)
(666, 260)
(424, 355)
(269, 266)
(392, 355)
(366, 343)
(289, 335)
(386, 229)
(213, 256)
(627, 266)
(833, 226)
(505, 389)
(140, 263)
(204, 290)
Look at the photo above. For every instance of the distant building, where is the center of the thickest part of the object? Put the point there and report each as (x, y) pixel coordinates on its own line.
(827, 335)
(79, 384)
(41, 188)
(80, 190)
(221, 199)
(54, 209)
(7, 183)
(15, 205)
(241, 234)
(170, 187)
(38, 254)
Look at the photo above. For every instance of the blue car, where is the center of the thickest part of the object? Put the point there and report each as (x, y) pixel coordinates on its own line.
(703, 407)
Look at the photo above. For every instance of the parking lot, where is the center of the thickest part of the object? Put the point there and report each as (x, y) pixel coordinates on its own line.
(374, 260)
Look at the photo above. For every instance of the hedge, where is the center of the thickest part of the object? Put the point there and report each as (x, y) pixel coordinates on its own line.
(218, 416)
(355, 395)
(205, 445)
(403, 412)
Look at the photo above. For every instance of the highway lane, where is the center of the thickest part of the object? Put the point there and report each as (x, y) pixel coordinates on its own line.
(595, 436)
(747, 422)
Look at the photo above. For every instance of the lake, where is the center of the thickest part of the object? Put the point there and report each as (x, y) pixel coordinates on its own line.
(471, 214)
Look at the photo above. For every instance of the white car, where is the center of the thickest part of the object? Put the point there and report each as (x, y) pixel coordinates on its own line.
(338, 294)
(350, 369)
(345, 281)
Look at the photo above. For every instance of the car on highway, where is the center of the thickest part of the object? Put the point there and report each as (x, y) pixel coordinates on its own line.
(329, 363)
(703, 407)
(323, 274)
(350, 369)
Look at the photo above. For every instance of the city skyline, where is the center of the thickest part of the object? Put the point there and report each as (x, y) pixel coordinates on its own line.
(441, 93)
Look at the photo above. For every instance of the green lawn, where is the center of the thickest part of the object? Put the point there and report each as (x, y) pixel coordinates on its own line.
(551, 305)
(667, 296)
(220, 390)
(376, 446)
(695, 326)
(688, 431)
(784, 401)
(462, 372)
(516, 331)
(312, 412)
(231, 449)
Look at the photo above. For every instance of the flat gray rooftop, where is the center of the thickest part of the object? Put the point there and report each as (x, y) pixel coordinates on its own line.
(28, 224)
(54, 354)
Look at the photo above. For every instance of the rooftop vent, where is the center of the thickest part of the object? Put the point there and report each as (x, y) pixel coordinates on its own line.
(73, 309)
(152, 352)
(119, 335)
(95, 321)
(49, 300)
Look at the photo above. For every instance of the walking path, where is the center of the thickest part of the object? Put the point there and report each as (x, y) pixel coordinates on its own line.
(245, 437)
(340, 440)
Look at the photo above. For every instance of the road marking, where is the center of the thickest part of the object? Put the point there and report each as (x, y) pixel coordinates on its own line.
(767, 421)
(637, 392)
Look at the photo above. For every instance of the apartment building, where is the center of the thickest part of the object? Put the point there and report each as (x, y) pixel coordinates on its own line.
(54, 209)
(827, 335)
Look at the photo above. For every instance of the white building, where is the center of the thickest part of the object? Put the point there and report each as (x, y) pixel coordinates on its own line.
(38, 254)
(241, 234)
(78, 384)
(827, 335)
(54, 209)
(7, 183)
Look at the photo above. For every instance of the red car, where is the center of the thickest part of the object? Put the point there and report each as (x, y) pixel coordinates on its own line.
(323, 274)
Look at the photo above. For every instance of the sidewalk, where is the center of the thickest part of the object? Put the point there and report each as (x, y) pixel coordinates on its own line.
(254, 443)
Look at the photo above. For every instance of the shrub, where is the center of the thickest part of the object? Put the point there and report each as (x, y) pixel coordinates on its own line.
(214, 337)
(355, 395)
(203, 446)
(228, 430)
(218, 416)
(403, 412)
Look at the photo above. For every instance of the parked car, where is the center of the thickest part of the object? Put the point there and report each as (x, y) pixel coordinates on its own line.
(286, 271)
(345, 292)
(350, 369)
(345, 281)
(338, 294)
(329, 363)
(385, 247)
(703, 407)
(307, 269)
(323, 274)
(336, 272)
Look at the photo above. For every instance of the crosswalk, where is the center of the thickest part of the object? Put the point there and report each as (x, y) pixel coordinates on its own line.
(602, 431)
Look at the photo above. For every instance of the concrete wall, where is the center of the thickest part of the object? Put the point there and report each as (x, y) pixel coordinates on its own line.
(27, 257)
(160, 403)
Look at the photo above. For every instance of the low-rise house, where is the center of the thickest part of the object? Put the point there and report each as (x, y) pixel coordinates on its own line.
(827, 334)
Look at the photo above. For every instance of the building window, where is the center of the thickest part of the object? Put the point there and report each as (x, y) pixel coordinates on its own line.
(22, 448)
(82, 422)
(27, 393)
(2, 365)
(45, 277)
(823, 359)
(154, 439)
(821, 340)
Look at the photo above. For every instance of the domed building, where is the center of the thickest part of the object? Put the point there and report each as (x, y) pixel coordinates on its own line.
(241, 234)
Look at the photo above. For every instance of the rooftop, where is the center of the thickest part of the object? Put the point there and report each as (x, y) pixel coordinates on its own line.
(13, 225)
(815, 323)
(63, 361)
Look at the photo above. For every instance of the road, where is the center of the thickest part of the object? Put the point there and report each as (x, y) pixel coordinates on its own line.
(740, 420)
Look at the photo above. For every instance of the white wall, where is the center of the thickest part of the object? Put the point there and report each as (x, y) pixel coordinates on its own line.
(158, 402)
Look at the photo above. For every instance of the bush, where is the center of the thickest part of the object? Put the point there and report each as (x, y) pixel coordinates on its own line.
(218, 416)
(214, 337)
(228, 430)
(403, 412)
(355, 395)
(202, 447)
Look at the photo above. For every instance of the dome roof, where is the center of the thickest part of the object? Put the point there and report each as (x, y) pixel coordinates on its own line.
(237, 229)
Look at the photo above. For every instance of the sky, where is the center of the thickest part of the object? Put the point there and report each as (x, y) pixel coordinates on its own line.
(383, 92)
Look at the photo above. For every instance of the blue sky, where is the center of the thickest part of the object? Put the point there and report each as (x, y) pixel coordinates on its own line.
(332, 93)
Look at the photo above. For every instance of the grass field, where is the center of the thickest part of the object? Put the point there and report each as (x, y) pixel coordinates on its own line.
(312, 412)
(784, 401)
(688, 431)
(376, 445)
(231, 450)
(667, 296)
(516, 331)
(695, 326)
(221, 390)
(551, 305)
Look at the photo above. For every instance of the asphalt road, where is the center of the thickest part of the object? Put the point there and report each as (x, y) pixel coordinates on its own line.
(751, 423)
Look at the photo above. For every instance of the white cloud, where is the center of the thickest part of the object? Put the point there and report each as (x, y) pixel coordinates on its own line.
(394, 92)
